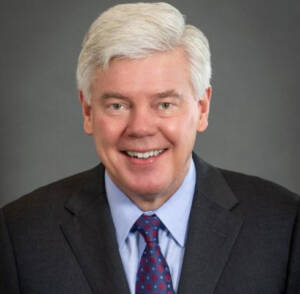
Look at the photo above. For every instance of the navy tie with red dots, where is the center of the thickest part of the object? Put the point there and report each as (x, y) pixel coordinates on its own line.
(153, 275)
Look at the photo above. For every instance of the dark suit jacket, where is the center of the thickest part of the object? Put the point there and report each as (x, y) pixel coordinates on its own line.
(243, 238)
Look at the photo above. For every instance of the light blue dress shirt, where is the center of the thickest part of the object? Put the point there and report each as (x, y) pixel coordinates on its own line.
(174, 214)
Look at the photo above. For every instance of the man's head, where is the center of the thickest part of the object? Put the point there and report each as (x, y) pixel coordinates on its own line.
(138, 30)
(140, 99)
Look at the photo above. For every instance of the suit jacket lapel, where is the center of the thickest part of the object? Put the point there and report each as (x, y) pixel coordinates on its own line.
(91, 236)
(211, 234)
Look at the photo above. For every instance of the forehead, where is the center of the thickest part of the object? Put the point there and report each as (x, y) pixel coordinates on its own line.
(158, 72)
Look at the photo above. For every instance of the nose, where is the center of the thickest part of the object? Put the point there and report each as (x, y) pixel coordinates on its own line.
(141, 123)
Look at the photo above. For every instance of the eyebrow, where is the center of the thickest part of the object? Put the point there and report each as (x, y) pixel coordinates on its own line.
(166, 94)
(108, 95)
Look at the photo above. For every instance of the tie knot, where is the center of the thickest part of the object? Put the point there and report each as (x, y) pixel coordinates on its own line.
(148, 226)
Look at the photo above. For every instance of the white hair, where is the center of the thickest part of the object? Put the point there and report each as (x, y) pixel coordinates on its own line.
(137, 30)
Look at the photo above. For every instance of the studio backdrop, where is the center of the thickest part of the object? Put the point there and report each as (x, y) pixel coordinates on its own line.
(254, 124)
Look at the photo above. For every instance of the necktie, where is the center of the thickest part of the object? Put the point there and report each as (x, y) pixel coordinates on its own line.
(153, 275)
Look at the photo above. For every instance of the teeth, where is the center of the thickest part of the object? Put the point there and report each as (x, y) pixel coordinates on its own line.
(144, 155)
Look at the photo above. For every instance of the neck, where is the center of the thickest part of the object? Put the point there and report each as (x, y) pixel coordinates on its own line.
(149, 204)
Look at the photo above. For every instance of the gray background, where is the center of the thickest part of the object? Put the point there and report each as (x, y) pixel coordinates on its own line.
(254, 123)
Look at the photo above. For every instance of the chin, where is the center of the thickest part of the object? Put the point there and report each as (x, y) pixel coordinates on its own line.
(148, 191)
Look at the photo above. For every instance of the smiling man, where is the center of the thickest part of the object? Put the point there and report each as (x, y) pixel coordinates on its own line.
(139, 113)
(152, 217)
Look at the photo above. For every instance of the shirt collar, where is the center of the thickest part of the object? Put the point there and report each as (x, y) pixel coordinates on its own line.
(174, 213)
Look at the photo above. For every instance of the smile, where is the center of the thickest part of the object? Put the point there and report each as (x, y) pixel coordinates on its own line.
(144, 155)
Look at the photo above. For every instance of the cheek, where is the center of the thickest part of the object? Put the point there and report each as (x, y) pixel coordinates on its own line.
(182, 137)
(181, 131)
(106, 130)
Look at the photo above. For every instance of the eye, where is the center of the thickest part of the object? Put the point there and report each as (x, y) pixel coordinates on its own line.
(165, 105)
(116, 106)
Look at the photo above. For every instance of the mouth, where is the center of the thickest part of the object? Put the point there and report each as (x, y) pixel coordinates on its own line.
(144, 155)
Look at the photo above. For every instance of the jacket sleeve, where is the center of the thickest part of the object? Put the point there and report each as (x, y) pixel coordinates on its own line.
(293, 282)
(9, 283)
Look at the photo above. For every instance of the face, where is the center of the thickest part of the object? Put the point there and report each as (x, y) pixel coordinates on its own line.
(144, 118)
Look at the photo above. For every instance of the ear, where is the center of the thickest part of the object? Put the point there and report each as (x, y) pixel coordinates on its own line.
(204, 106)
(87, 114)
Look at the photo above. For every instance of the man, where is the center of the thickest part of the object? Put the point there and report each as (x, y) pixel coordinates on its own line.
(153, 217)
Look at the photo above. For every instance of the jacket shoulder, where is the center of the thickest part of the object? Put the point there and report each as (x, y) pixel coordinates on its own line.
(259, 194)
(48, 197)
